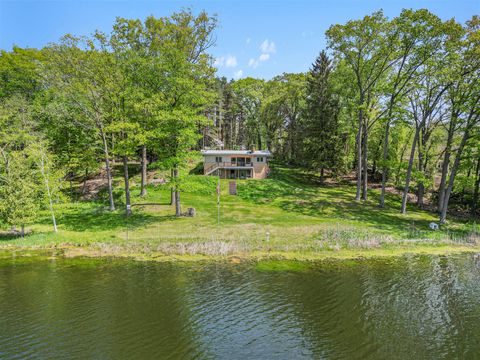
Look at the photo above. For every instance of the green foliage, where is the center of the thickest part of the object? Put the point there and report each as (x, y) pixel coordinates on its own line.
(321, 138)
(19, 192)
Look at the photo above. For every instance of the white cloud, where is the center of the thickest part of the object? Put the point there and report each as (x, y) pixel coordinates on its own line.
(264, 57)
(253, 63)
(219, 61)
(248, 41)
(238, 74)
(268, 47)
(231, 61)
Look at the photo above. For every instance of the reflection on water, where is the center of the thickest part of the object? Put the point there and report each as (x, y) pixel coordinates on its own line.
(413, 307)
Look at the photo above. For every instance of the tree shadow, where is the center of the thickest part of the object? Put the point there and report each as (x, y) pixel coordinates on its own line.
(100, 219)
(302, 192)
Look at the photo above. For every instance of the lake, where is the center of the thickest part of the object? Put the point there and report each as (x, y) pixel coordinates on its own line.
(415, 307)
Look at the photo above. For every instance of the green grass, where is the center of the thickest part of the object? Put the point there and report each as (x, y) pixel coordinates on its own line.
(288, 214)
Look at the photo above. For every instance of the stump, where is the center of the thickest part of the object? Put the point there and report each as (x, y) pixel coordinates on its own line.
(191, 212)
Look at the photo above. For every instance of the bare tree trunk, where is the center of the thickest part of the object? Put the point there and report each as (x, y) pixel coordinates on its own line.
(399, 167)
(420, 185)
(359, 153)
(453, 173)
(172, 188)
(365, 163)
(70, 180)
(178, 210)
(409, 172)
(84, 188)
(477, 188)
(445, 165)
(143, 185)
(128, 205)
(386, 143)
(108, 170)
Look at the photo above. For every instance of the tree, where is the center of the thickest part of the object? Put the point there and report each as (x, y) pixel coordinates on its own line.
(418, 39)
(464, 66)
(367, 46)
(321, 117)
(248, 97)
(19, 194)
(80, 74)
(188, 90)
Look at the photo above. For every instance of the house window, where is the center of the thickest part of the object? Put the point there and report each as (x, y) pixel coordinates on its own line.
(234, 160)
(218, 159)
(260, 159)
(248, 160)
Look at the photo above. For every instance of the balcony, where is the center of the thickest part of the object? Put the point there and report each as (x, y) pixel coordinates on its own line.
(237, 164)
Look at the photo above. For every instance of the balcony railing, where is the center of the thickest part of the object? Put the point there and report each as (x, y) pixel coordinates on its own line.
(229, 163)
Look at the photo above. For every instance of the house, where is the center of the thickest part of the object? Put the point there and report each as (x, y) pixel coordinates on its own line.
(236, 164)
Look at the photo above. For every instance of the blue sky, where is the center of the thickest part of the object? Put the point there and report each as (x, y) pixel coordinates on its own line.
(260, 38)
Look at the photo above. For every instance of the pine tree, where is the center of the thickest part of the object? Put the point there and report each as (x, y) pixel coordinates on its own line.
(321, 117)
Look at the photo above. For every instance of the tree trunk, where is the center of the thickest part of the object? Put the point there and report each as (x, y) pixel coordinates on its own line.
(445, 165)
(108, 170)
(386, 142)
(359, 152)
(128, 205)
(477, 188)
(399, 167)
(172, 188)
(22, 231)
(84, 188)
(409, 172)
(178, 210)
(420, 194)
(322, 172)
(420, 185)
(453, 173)
(70, 179)
(385, 168)
(365, 163)
(143, 185)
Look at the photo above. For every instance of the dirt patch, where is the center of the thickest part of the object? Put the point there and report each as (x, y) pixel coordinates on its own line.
(99, 182)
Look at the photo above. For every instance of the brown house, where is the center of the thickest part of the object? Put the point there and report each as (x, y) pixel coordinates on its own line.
(236, 164)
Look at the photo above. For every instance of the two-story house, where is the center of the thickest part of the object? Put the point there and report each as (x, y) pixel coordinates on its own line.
(236, 164)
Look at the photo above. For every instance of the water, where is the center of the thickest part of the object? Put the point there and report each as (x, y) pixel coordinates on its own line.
(424, 307)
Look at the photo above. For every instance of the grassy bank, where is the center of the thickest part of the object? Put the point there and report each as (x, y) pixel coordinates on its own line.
(288, 216)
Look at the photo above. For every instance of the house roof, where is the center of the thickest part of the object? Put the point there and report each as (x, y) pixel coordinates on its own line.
(237, 152)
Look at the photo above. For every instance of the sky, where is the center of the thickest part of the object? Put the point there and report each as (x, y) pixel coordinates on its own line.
(260, 38)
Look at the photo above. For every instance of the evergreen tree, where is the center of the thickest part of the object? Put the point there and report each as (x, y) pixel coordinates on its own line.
(321, 117)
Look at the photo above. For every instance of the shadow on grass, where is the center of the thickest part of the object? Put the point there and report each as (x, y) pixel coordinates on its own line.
(297, 191)
(103, 220)
(7, 236)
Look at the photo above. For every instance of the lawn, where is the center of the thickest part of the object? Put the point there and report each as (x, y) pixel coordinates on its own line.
(289, 213)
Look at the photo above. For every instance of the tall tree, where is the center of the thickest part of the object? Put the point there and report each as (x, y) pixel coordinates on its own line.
(418, 38)
(81, 75)
(321, 117)
(367, 46)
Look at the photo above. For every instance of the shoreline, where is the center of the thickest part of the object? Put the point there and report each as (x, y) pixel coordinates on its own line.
(67, 251)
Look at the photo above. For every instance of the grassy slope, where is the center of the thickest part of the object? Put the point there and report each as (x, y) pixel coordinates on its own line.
(302, 219)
